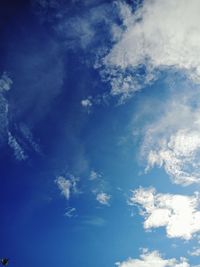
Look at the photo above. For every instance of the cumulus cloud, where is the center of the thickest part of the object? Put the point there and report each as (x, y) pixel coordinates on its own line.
(172, 140)
(86, 103)
(159, 35)
(103, 198)
(154, 258)
(179, 214)
(67, 186)
(195, 252)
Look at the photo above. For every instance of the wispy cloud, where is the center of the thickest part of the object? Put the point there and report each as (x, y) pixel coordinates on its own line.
(18, 137)
(28, 136)
(19, 152)
(5, 85)
(5, 82)
(179, 214)
(70, 212)
(78, 30)
(94, 175)
(94, 221)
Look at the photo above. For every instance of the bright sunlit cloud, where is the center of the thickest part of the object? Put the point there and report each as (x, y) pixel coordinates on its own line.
(159, 35)
(155, 259)
(179, 214)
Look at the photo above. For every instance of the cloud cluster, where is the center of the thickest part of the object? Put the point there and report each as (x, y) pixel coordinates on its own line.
(179, 214)
(159, 35)
(155, 259)
(67, 186)
(99, 188)
(86, 103)
(103, 198)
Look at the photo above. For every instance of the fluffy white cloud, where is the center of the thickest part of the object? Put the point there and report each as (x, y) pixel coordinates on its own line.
(194, 252)
(179, 214)
(67, 186)
(172, 141)
(149, 259)
(159, 35)
(103, 198)
(86, 103)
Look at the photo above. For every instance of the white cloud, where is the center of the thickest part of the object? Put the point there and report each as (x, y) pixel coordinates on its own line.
(159, 35)
(172, 141)
(86, 103)
(179, 214)
(195, 252)
(67, 186)
(103, 198)
(155, 259)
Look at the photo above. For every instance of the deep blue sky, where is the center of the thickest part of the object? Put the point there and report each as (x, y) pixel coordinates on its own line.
(49, 55)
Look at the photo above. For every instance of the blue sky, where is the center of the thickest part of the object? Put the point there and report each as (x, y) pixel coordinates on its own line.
(99, 133)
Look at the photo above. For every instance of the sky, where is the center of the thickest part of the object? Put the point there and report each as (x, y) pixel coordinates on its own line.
(100, 133)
